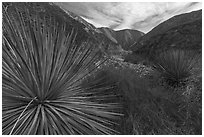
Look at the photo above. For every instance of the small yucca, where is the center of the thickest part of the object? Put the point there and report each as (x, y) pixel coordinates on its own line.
(43, 70)
(176, 65)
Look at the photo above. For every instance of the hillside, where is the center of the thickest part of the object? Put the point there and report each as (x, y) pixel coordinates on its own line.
(181, 32)
(125, 37)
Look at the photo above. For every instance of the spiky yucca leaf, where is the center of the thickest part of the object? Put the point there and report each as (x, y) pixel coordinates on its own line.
(42, 73)
(176, 65)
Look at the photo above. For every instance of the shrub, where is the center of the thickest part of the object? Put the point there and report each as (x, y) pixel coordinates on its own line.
(153, 109)
(176, 66)
(43, 71)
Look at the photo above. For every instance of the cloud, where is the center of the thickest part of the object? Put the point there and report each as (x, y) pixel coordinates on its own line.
(129, 15)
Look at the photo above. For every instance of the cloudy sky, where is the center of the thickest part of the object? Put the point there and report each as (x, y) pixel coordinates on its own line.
(129, 15)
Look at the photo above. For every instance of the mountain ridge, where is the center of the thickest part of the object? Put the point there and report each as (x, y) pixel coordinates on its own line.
(163, 27)
(125, 37)
(183, 32)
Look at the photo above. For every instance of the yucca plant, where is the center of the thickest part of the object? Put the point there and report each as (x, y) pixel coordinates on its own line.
(176, 66)
(42, 70)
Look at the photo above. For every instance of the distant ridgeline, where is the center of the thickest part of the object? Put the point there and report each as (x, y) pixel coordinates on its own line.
(125, 37)
(179, 32)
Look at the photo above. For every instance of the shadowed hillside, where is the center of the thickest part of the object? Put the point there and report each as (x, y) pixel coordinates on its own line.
(180, 32)
(125, 37)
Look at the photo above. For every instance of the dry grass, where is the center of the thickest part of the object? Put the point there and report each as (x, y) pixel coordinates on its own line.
(153, 109)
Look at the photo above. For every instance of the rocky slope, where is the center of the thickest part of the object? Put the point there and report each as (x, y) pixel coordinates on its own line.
(85, 31)
(107, 38)
(102, 37)
(182, 31)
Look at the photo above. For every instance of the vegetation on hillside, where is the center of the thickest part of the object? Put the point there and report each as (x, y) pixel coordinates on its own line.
(177, 66)
(53, 85)
(151, 107)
